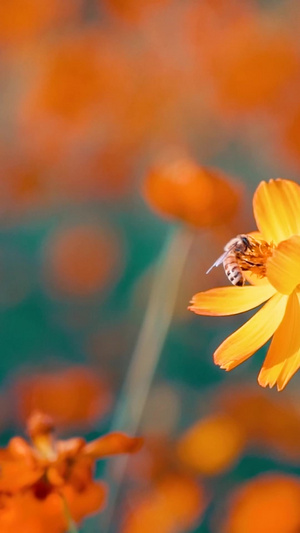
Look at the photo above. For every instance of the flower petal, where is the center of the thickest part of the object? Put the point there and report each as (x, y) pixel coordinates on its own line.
(230, 300)
(276, 206)
(283, 357)
(252, 335)
(283, 268)
(112, 444)
(253, 279)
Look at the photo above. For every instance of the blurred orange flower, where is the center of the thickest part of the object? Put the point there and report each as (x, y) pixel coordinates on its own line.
(276, 209)
(51, 479)
(23, 20)
(269, 502)
(81, 259)
(268, 422)
(75, 396)
(78, 80)
(212, 445)
(248, 63)
(252, 63)
(69, 81)
(179, 188)
(174, 504)
(133, 10)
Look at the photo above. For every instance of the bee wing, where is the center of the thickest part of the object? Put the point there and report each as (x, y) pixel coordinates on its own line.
(219, 261)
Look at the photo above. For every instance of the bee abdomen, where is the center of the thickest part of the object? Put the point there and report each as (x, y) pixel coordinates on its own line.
(234, 274)
(239, 282)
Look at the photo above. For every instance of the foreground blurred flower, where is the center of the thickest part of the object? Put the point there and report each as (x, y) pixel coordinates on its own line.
(277, 212)
(47, 485)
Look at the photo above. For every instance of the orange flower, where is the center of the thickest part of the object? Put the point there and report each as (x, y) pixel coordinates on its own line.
(81, 259)
(266, 503)
(277, 212)
(133, 10)
(248, 63)
(74, 396)
(212, 445)
(49, 472)
(21, 21)
(267, 421)
(181, 189)
(175, 503)
(252, 64)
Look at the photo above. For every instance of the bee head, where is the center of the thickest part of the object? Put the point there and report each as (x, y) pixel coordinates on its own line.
(246, 242)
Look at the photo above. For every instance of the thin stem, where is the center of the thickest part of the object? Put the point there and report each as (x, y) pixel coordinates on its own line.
(146, 354)
(72, 528)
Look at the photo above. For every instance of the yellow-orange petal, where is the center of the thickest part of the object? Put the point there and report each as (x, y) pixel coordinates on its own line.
(254, 279)
(283, 268)
(230, 300)
(252, 335)
(276, 207)
(256, 235)
(283, 357)
(111, 444)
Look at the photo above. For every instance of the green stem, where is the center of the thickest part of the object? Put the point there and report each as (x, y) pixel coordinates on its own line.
(151, 339)
(72, 528)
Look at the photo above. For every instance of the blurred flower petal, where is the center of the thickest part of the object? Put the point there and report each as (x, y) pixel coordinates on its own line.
(113, 443)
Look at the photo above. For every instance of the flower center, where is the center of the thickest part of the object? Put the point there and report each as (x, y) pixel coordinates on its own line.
(255, 257)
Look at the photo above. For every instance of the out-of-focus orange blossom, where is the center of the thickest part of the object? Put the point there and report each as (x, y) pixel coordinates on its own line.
(248, 62)
(72, 397)
(179, 188)
(268, 503)
(174, 505)
(27, 188)
(252, 65)
(104, 174)
(81, 260)
(133, 10)
(69, 80)
(267, 423)
(80, 84)
(23, 20)
(39, 480)
(288, 128)
(212, 445)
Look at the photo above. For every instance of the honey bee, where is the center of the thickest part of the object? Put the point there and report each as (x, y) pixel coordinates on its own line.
(231, 258)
